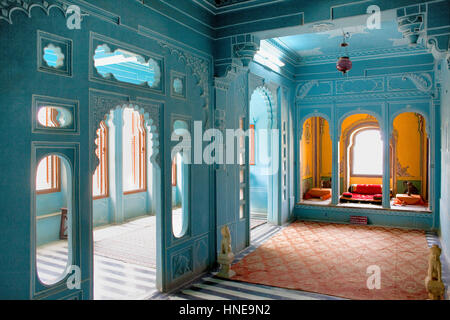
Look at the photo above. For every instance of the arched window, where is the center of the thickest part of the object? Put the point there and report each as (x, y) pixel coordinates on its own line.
(134, 151)
(48, 175)
(100, 178)
(366, 153)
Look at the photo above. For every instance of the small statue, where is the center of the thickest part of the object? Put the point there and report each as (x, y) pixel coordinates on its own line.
(225, 245)
(410, 188)
(433, 282)
(226, 256)
(325, 183)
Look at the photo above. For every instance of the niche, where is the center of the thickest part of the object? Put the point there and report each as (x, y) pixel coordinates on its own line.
(410, 153)
(315, 161)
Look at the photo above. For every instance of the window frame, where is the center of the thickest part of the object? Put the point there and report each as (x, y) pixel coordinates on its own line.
(55, 175)
(103, 147)
(138, 133)
(351, 151)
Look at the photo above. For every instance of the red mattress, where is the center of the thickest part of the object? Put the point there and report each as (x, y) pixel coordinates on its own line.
(369, 189)
(363, 193)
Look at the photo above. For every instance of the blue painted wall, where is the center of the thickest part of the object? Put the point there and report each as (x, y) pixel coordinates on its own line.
(140, 29)
(198, 44)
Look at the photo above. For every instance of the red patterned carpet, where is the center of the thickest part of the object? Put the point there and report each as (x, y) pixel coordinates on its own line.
(333, 258)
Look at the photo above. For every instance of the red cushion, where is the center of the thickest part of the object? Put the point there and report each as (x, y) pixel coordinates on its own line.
(377, 196)
(367, 189)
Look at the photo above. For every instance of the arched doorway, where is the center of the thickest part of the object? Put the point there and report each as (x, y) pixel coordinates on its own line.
(126, 205)
(263, 158)
(361, 149)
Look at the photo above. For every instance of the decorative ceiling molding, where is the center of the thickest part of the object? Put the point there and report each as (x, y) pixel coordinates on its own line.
(358, 55)
(322, 26)
(304, 89)
(218, 7)
(410, 22)
(223, 3)
(7, 7)
(422, 81)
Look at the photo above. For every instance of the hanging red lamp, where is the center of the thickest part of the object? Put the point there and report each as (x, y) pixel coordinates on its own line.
(344, 64)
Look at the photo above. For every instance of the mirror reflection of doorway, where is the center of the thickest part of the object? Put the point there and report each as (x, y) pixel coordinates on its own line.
(53, 219)
(124, 208)
(260, 157)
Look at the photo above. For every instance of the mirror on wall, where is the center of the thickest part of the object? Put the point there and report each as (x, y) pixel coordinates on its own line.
(180, 195)
(54, 117)
(127, 66)
(180, 185)
(53, 219)
(53, 56)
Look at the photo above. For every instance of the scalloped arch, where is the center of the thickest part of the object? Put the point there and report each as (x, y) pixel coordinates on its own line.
(268, 99)
(27, 8)
(149, 123)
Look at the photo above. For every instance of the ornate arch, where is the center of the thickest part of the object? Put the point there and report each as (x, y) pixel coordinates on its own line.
(103, 106)
(358, 111)
(408, 109)
(270, 102)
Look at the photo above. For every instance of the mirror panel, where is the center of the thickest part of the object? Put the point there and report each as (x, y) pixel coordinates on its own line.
(53, 219)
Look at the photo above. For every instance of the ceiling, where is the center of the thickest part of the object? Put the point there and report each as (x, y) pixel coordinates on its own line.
(321, 41)
(361, 38)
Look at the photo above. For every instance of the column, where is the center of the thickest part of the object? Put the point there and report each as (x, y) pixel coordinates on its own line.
(386, 157)
(335, 157)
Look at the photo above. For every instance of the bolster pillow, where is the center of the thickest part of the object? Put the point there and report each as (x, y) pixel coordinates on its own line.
(347, 195)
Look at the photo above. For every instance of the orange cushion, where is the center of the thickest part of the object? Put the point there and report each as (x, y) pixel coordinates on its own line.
(325, 197)
(412, 199)
(317, 192)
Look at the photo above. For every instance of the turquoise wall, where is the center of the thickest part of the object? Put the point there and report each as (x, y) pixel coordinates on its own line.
(212, 52)
(92, 98)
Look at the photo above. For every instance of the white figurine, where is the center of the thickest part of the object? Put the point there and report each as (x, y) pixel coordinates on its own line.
(226, 256)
